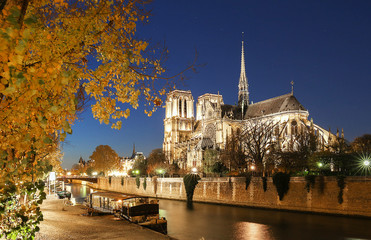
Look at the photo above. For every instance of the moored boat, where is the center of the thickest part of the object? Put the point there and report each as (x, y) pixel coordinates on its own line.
(137, 209)
(64, 194)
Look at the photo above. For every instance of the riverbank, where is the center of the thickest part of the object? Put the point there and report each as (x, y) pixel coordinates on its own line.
(70, 222)
(324, 196)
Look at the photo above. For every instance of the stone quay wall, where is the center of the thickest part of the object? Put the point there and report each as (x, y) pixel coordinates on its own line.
(322, 198)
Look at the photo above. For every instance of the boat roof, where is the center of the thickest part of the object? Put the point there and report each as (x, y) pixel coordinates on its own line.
(116, 196)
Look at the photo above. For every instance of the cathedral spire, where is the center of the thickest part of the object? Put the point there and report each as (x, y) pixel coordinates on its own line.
(243, 86)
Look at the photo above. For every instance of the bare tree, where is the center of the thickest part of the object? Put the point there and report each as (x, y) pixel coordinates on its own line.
(258, 137)
(300, 146)
(233, 155)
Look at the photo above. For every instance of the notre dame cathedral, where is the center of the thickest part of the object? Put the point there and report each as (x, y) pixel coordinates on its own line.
(187, 133)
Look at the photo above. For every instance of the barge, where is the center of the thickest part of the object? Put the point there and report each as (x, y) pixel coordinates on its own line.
(137, 209)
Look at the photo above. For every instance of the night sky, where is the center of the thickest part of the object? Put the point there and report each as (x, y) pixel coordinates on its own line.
(323, 46)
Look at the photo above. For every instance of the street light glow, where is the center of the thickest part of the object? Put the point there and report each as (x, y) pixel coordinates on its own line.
(194, 170)
(364, 164)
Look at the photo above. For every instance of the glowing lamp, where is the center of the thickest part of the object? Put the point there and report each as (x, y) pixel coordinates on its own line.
(366, 163)
(194, 170)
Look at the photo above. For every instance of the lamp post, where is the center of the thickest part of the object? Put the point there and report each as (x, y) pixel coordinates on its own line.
(161, 171)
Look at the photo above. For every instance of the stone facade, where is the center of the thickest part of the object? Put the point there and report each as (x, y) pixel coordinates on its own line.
(186, 137)
(323, 198)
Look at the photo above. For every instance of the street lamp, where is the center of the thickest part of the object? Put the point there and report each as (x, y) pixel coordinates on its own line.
(161, 171)
(136, 172)
(194, 170)
(366, 163)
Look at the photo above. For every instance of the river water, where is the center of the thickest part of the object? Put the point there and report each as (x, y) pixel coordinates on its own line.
(214, 222)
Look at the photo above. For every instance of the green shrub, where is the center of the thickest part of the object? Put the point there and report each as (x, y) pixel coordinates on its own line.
(281, 181)
(264, 180)
(341, 184)
(247, 180)
(137, 181)
(154, 182)
(310, 181)
(145, 183)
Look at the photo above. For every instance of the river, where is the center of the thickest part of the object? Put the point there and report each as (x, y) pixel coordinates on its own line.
(218, 222)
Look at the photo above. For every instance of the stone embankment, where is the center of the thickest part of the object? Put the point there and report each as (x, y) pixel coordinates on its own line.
(321, 198)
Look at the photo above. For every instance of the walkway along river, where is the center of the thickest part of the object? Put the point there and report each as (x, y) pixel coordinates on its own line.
(213, 222)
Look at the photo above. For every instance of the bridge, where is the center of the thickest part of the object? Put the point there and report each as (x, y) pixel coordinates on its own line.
(82, 178)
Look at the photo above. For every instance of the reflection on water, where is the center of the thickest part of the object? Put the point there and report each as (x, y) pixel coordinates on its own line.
(217, 222)
(78, 191)
(249, 230)
(213, 222)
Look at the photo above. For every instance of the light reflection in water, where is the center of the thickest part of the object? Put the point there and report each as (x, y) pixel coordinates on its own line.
(216, 222)
(249, 230)
(78, 192)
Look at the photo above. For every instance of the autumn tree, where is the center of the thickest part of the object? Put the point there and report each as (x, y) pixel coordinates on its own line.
(105, 159)
(54, 55)
(157, 160)
(140, 164)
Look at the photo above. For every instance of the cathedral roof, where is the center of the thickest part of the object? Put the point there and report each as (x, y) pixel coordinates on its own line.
(231, 111)
(278, 104)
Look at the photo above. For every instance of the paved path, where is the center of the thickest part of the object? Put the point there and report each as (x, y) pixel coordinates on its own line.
(70, 222)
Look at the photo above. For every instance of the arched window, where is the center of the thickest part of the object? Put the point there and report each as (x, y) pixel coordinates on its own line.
(294, 128)
(180, 107)
(185, 108)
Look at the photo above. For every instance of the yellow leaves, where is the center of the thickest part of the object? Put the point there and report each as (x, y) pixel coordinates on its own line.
(127, 113)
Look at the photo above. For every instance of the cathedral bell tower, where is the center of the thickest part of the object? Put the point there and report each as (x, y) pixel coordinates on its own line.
(178, 122)
(243, 86)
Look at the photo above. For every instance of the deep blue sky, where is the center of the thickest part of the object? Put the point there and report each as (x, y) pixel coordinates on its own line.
(323, 46)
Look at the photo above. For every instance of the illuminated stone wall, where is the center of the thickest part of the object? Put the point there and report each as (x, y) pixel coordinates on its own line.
(323, 198)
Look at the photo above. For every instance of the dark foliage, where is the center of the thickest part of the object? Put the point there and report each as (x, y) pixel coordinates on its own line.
(281, 181)
(264, 180)
(137, 181)
(247, 180)
(341, 184)
(310, 181)
(190, 182)
(145, 183)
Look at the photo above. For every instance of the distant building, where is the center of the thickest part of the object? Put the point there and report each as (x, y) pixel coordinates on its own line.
(127, 163)
(187, 134)
(82, 162)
